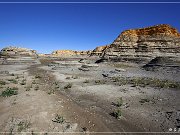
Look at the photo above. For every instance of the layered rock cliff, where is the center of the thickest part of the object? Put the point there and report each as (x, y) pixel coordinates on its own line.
(154, 40)
(99, 50)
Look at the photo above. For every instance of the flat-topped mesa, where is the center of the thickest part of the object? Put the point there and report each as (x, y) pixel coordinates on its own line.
(63, 53)
(17, 51)
(67, 53)
(156, 39)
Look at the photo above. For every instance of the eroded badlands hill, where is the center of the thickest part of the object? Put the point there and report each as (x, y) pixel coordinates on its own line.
(156, 39)
(17, 51)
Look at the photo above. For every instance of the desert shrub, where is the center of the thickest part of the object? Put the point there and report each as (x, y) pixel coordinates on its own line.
(9, 92)
(117, 113)
(68, 86)
(59, 119)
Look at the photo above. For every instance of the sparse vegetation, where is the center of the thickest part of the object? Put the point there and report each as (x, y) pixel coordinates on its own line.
(120, 102)
(13, 81)
(9, 92)
(23, 125)
(100, 81)
(142, 81)
(2, 82)
(59, 119)
(68, 86)
(117, 113)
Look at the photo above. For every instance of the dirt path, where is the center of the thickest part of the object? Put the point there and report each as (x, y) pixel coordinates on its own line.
(87, 121)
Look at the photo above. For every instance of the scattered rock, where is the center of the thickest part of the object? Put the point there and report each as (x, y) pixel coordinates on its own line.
(89, 65)
(84, 69)
(120, 70)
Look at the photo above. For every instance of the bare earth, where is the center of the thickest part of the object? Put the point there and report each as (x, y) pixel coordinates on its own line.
(58, 97)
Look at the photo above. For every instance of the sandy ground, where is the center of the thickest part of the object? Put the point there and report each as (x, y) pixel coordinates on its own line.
(87, 106)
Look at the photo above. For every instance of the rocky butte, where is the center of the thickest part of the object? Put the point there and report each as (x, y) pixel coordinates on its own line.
(155, 40)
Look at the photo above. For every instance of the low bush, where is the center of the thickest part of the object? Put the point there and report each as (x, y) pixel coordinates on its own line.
(9, 92)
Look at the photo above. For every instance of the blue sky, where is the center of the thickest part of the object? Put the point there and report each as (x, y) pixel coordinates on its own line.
(48, 27)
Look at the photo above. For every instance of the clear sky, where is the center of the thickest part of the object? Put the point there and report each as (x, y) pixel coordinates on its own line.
(48, 27)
